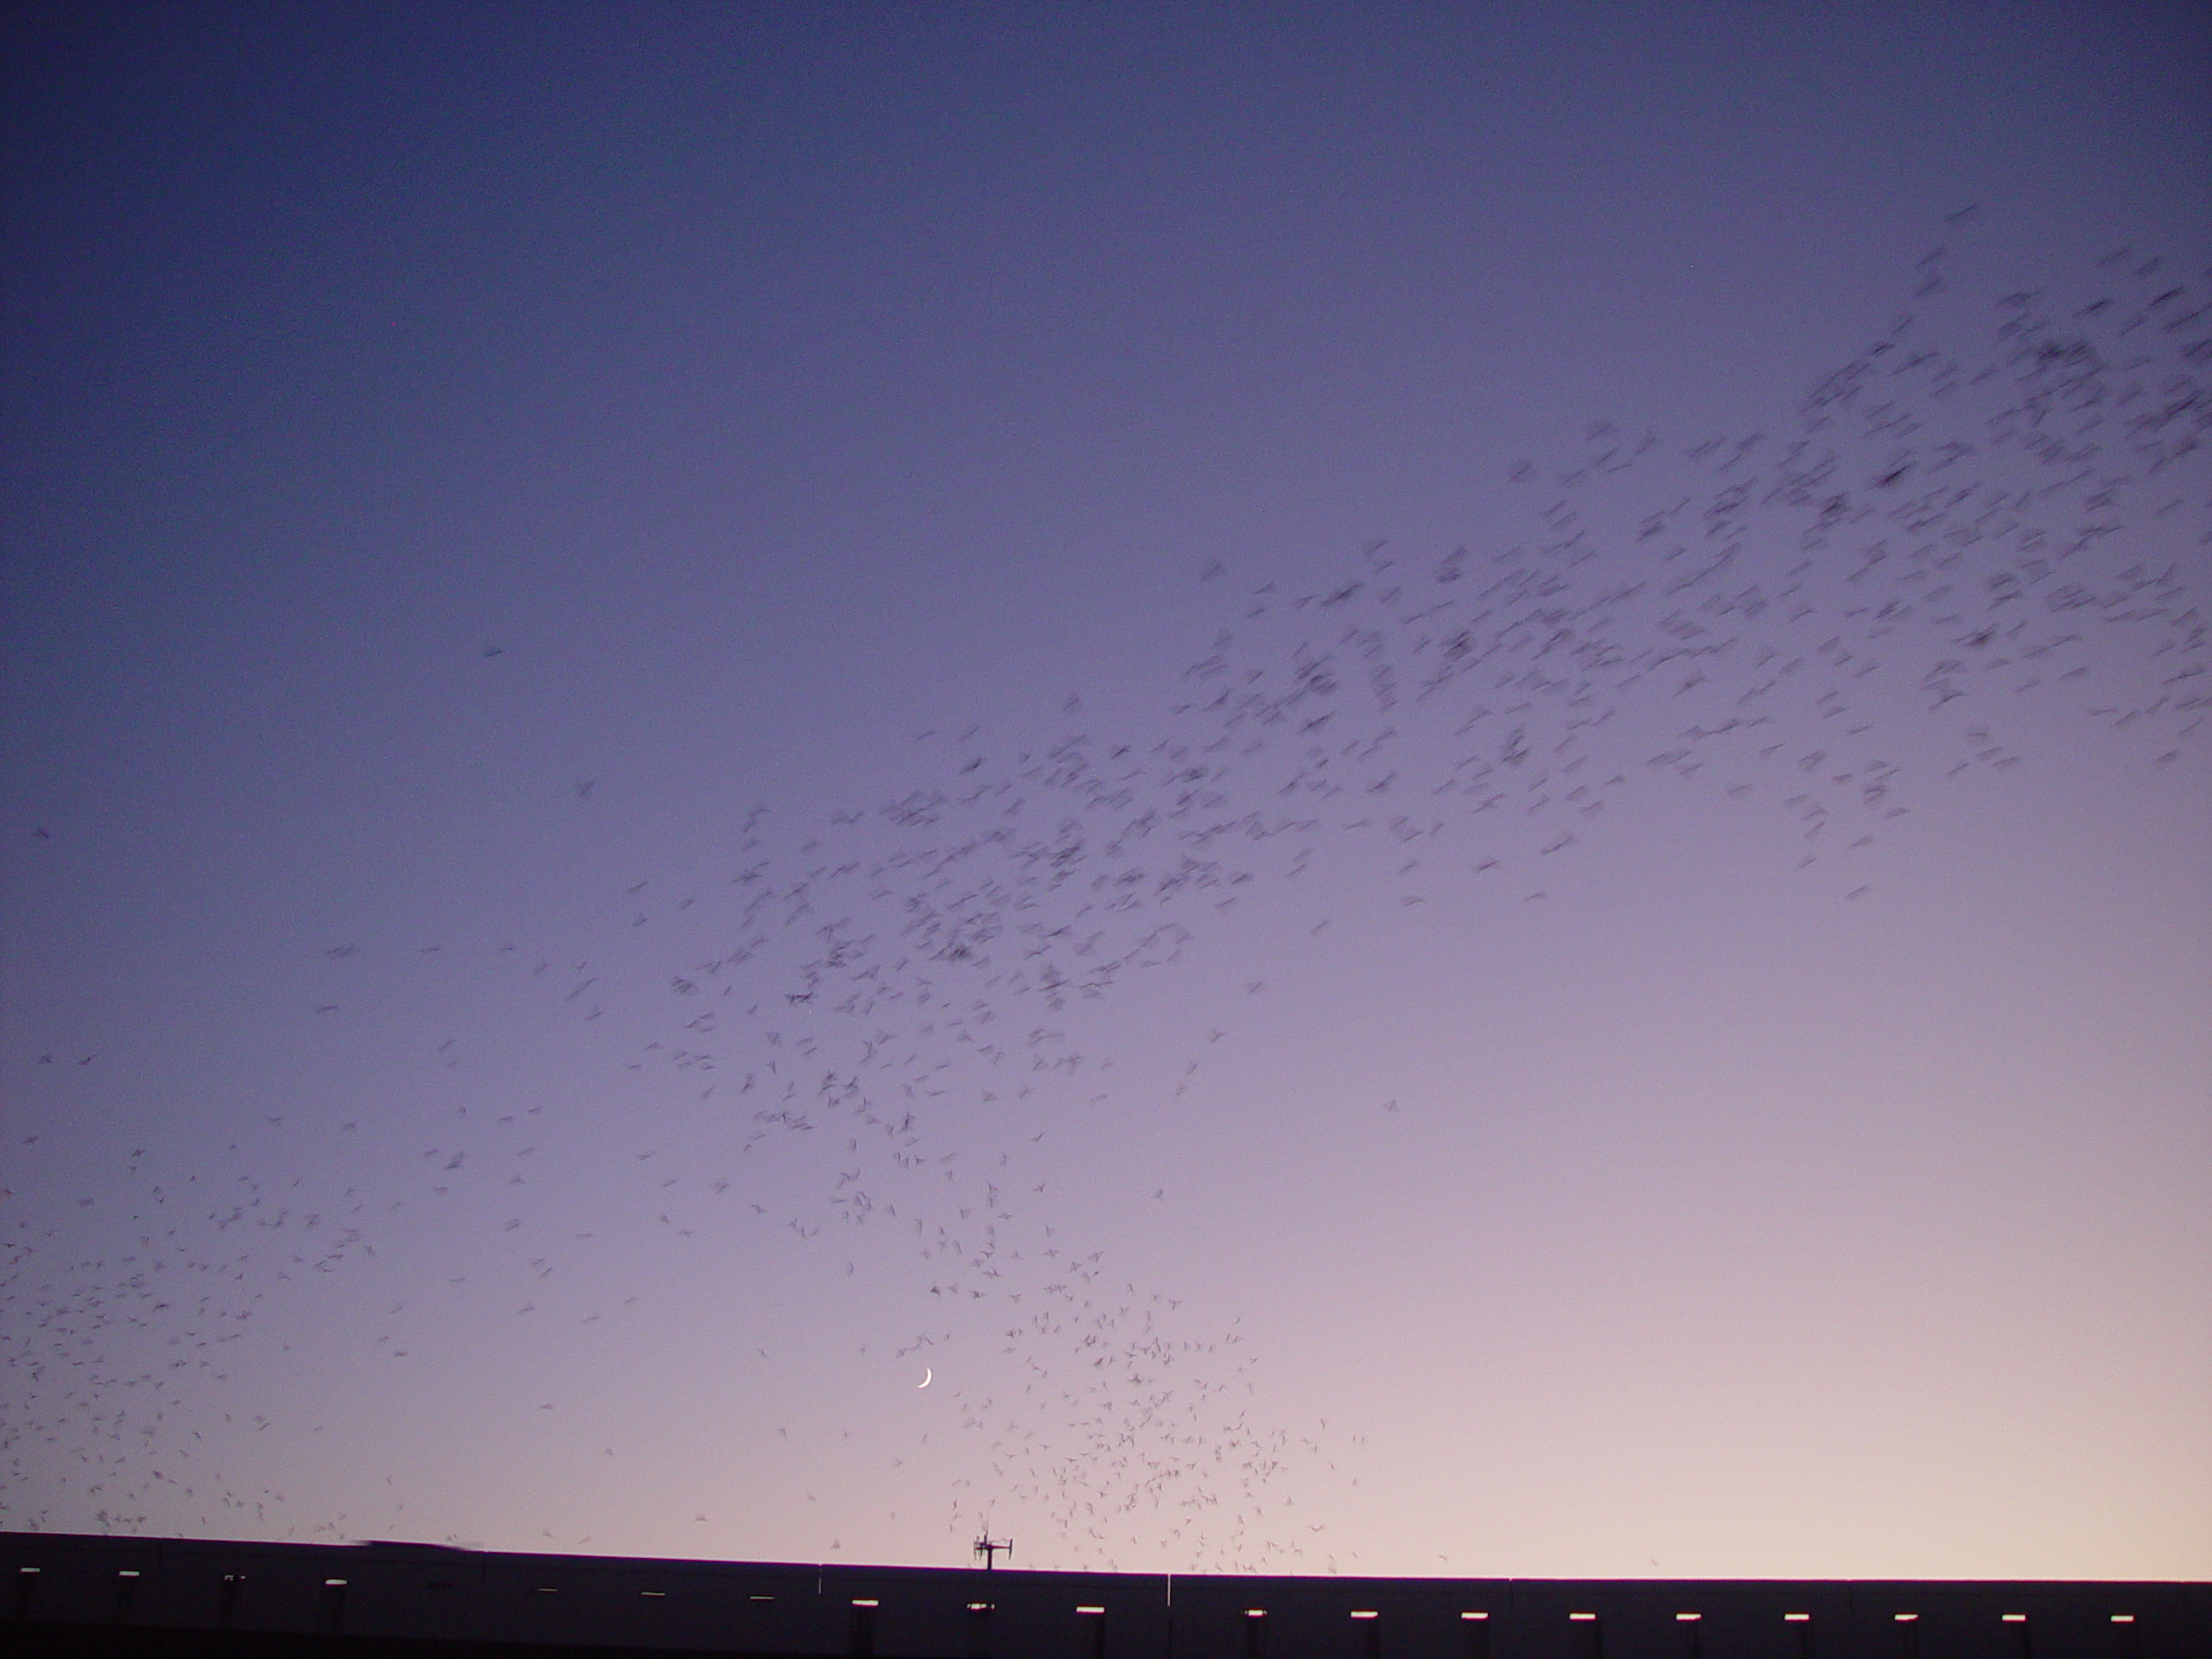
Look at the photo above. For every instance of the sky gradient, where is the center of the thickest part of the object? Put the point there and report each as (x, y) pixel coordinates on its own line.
(1425, 782)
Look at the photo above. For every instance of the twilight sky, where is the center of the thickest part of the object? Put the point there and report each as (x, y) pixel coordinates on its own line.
(1425, 782)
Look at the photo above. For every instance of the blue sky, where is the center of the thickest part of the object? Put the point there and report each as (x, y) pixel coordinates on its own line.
(1423, 781)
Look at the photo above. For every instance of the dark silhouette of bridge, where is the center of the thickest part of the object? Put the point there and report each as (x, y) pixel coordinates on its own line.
(72, 1595)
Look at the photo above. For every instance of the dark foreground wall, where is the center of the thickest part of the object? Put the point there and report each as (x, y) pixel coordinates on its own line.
(106, 1596)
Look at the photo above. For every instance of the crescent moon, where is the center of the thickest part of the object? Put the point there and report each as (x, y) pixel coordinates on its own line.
(926, 1374)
